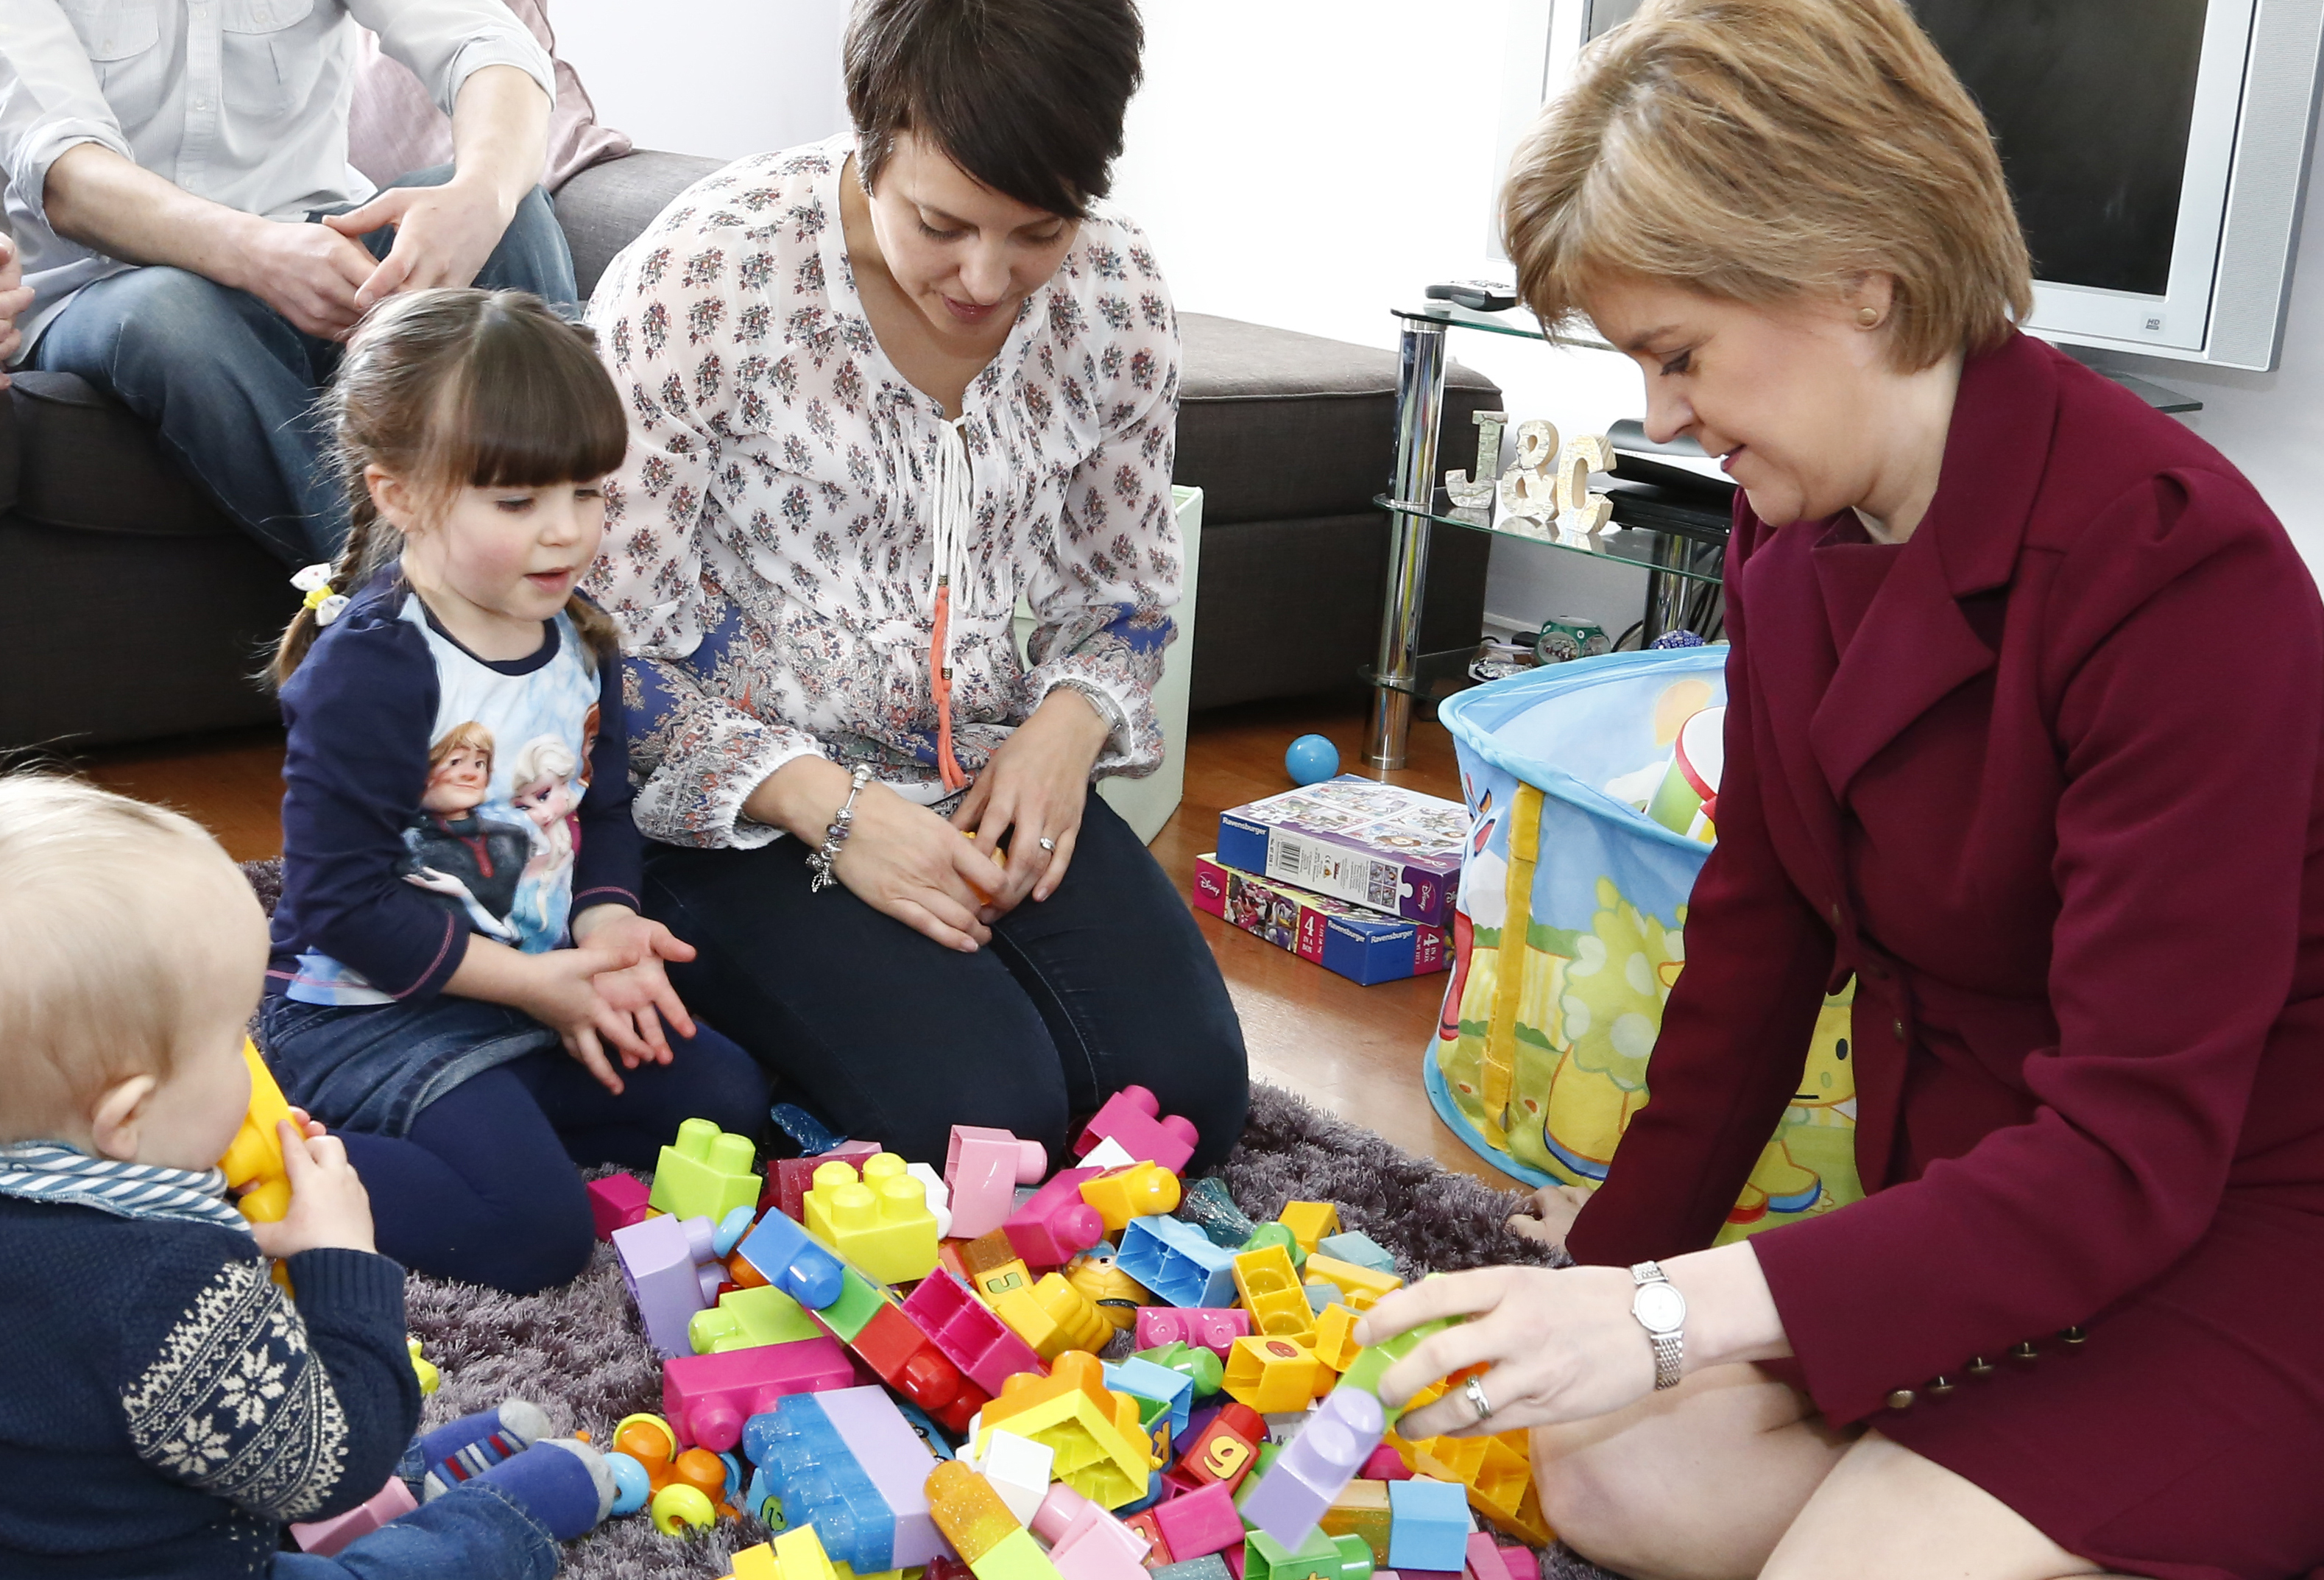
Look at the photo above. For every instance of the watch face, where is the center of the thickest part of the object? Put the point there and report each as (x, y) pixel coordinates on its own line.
(1660, 1308)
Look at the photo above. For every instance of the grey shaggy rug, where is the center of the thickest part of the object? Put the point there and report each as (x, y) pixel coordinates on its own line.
(579, 1353)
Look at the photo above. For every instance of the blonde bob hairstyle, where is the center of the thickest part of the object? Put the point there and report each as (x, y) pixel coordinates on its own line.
(1761, 150)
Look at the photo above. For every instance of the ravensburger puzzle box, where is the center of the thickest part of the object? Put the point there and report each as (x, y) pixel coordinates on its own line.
(1360, 945)
(1381, 846)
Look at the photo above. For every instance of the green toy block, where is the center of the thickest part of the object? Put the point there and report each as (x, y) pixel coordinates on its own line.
(745, 1319)
(705, 1173)
(1319, 1557)
(859, 1301)
(1365, 1371)
(1268, 1234)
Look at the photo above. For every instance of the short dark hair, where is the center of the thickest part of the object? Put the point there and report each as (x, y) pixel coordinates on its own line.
(1025, 96)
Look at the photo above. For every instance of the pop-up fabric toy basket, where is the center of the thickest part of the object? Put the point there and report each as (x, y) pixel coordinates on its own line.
(1570, 931)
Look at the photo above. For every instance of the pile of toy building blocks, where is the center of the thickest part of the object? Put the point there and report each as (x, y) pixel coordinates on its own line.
(910, 1367)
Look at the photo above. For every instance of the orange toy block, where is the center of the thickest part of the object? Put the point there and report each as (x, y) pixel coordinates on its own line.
(1053, 1316)
(1497, 1471)
(1102, 1451)
(1309, 1221)
(880, 1220)
(254, 1159)
(1142, 1190)
(1271, 1293)
(1272, 1375)
(1360, 1287)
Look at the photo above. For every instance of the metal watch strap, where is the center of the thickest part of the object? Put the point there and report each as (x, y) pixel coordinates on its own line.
(1670, 1348)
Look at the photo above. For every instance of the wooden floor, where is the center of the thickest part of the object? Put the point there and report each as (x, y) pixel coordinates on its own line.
(1354, 1051)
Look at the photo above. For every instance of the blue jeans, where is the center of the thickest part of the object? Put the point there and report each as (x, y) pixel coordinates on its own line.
(230, 385)
(471, 1533)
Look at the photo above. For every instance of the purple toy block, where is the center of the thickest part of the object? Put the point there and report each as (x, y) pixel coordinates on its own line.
(898, 1462)
(1199, 1522)
(1133, 1117)
(706, 1399)
(964, 1330)
(663, 1263)
(323, 1538)
(1315, 1468)
(1086, 1542)
(1056, 1226)
(615, 1202)
(983, 1169)
(1485, 1562)
(1208, 1327)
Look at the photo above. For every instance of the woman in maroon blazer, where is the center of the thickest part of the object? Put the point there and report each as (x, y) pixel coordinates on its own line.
(2024, 716)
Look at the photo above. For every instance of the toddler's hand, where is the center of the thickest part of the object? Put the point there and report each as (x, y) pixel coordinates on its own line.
(639, 990)
(328, 1205)
(1554, 1208)
(561, 993)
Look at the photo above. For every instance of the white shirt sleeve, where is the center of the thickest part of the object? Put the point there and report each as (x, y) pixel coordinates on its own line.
(446, 41)
(50, 99)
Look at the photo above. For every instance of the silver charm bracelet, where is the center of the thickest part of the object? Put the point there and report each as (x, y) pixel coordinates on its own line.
(842, 824)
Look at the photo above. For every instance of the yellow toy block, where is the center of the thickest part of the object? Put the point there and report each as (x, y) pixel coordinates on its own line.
(1053, 1317)
(1496, 1473)
(1309, 1221)
(880, 1221)
(1360, 1287)
(1335, 1337)
(1116, 1295)
(255, 1158)
(992, 1283)
(422, 1367)
(1101, 1450)
(756, 1563)
(1271, 1293)
(799, 1555)
(1272, 1374)
(705, 1173)
(980, 1528)
(1361, 1510)
(1142, 1190)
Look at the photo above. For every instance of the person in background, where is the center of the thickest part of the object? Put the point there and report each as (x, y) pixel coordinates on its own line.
(196, 243)
(2026, 731)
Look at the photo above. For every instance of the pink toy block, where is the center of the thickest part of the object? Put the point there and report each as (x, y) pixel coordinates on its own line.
(1233, 1555)
(671, 1268)
(1199, 1523)
(1315, 1468)
(789, 1179)
(1522, 1562)
(706, 1399)
(964, 1330)
(615, 1202)
(1485, 1562)
(1133, 1117)
(898, 1461)
(1086, 1542)
(1209, 1327)
(1056, 1226)
(323, 1538)
(983, 1167)
(1386, 1465)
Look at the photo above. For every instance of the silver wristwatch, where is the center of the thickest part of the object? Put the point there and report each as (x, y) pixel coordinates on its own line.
(1661, 1310)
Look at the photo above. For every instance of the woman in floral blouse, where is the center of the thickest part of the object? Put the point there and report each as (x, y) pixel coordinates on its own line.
(879, 386)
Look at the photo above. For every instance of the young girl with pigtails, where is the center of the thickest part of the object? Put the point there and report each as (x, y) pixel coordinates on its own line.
(459, 962)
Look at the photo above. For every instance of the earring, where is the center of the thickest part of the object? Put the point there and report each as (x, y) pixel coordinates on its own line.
(1869, 317)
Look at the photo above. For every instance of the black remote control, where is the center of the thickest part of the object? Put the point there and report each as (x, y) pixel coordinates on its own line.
(1485, 296)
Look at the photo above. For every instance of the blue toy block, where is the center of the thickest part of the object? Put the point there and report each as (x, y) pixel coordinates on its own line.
(1353, 1245)
(1428, 1524)
(1178, 1262)
(813, 1137)
(1206, 1205)
(1316, 1466)
(1320, 1296)
(1210, 1567)
(788, 1259)
(808, 1475)
(1145, 1379)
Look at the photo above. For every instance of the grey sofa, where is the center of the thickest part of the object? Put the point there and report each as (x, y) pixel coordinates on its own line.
(130, 608)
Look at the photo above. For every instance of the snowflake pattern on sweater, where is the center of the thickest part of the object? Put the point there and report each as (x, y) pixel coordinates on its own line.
(767, 543)
(234, 1404)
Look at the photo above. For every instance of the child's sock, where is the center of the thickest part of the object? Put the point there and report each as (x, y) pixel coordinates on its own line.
(564, 1485)
(469, 1447)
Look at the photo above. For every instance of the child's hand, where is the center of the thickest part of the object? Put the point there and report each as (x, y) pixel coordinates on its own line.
(559, 990)
(1550, 1214)
(641, 989)
(328, 1205)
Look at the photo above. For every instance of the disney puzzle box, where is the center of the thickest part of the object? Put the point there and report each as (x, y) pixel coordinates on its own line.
(1377, 845)
(1360, 945)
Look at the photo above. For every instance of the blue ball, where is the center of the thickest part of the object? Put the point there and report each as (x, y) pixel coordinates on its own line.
(1311, 760)
(630, 1487)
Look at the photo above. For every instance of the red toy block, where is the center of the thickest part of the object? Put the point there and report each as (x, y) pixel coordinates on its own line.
(1485, 1561)
(1386, 1465)
(908, 1361)
(324, 1537)
(707, 1398)
(1157, 1550)
(1133, 1117)
(983, 1169)
(1209, 1327)
(967, 1333)
(1199, 1523)
(1224, 1453)
(789, 1179)
(1056, 1226)
(615, 1202)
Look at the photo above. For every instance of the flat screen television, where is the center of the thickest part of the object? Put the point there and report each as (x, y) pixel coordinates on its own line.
(2157, 151)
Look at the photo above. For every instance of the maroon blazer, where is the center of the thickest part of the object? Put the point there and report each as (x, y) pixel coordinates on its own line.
(2045, 777)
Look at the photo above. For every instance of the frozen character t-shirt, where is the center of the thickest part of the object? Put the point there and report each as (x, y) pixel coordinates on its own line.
(432, 794)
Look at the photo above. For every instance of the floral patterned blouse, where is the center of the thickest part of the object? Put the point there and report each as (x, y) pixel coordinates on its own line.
(769, 539)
